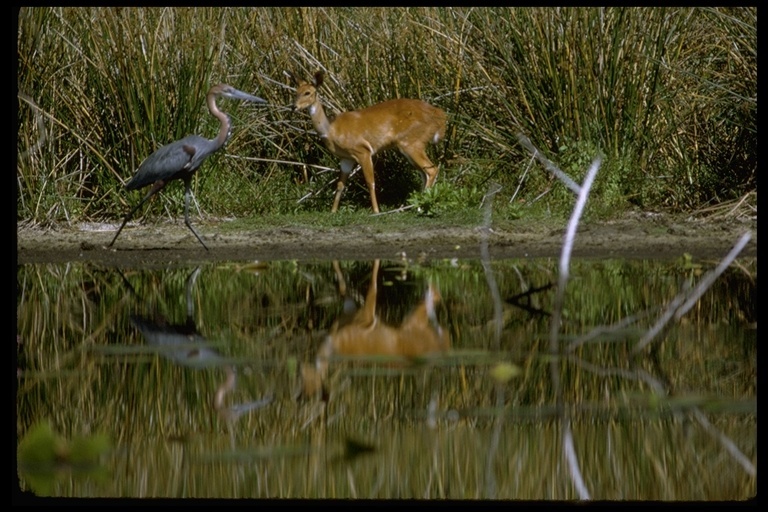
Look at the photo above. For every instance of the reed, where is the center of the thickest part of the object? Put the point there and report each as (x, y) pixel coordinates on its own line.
(667, 95)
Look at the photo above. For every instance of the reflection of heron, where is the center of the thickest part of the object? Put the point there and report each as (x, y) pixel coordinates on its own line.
(180, 159)
(187, 347)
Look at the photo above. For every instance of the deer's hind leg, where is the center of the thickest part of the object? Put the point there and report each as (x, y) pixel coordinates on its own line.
(417, 155)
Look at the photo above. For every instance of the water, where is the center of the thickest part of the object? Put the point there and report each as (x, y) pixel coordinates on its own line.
(219, 381)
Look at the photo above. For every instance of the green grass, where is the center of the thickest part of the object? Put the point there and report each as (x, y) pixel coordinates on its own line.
(357, 218)
(667, 96)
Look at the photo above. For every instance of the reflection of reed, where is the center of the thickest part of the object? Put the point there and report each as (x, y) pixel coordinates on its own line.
(182, 344)
(360, 332)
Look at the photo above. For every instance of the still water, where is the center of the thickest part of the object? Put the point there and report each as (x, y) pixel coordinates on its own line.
(386, 379)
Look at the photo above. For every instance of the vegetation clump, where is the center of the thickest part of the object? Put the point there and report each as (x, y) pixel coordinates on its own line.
(667, 96)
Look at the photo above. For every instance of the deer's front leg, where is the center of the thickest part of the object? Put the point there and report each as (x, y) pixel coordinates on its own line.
(346, 169)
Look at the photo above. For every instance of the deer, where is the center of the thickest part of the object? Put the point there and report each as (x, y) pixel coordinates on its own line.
(356, 136)
(362, 333)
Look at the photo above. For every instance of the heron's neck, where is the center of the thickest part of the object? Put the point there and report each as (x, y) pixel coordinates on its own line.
(226, 386)
(223, 118)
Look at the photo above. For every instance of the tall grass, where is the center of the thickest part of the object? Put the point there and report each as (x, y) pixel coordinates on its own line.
(667, 95)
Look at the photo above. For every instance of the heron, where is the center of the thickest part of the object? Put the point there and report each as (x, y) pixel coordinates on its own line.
(184, 345)
(180, 160)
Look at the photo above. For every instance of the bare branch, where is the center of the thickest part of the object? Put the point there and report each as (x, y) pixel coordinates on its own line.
(681, 303)
(548, 165)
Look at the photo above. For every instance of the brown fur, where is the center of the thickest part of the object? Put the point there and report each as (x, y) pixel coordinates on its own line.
(355, 136)
(364, 334)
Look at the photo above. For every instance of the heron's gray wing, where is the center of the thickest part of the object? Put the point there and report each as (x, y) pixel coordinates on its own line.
(165, 163)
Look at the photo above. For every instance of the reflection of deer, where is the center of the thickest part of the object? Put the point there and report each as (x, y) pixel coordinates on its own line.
(187, 347)
(363, 333)
(355, 136)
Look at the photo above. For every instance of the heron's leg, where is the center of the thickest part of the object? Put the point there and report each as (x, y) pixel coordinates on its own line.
(187, 193)
(157, 187)
(233, 412)
(190, 303)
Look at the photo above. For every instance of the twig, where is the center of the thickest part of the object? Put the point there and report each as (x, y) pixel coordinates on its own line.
(396, 210)
(493, 447)
(485, 256)
(522, 178)
(565, 258)
(710, 277)
(548, 165)
(637, 375)
(729, 445)
(306, 196)
(685, 300)
(600, 330)
(42, 139)
(274, 161)
(573, 463)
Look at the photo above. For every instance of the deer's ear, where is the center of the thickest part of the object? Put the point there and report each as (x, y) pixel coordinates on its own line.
(319, 78)
(296, 80)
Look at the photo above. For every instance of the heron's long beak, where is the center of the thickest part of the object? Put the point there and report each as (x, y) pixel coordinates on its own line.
(240, 95)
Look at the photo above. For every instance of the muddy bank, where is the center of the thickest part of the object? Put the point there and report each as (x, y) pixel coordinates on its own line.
(162, 243)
